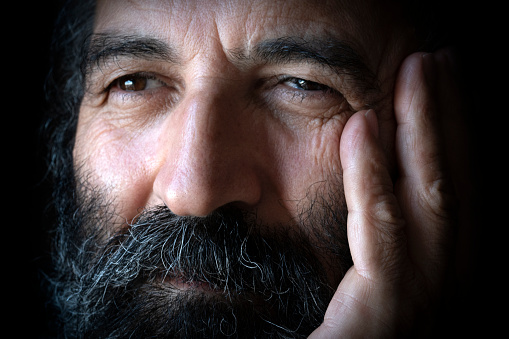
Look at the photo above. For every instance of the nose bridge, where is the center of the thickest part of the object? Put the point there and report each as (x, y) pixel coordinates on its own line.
(206, 143)
(213, 120)
(210, 112)
(208, 165)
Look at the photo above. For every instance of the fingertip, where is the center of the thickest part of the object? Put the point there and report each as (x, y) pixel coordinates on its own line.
(411, 92)
(411, 65)
(355, 128)
(359, 136)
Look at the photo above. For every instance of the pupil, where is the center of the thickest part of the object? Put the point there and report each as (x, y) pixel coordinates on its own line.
(308, 85)
(129, 85)
(133, 84)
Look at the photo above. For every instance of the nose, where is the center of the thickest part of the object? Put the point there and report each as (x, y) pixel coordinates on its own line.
(209, 159)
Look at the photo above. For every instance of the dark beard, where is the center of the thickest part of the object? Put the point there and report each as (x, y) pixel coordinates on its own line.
(225, 275)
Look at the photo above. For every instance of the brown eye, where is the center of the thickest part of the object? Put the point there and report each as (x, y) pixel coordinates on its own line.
(138, 82)
(132, 83)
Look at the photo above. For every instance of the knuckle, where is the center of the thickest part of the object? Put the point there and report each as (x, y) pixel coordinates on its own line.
(389, 226)
(386, 214)
(438, 197)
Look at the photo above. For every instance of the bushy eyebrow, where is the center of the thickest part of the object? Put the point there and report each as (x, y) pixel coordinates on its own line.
(337, 55)
(103, 48)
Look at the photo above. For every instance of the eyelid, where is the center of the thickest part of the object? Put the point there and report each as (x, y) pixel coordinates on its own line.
(158, 97)
(290, 104)
(302, 94)
(140, 75)
(100, 79)
(296, 80)
(281, 79)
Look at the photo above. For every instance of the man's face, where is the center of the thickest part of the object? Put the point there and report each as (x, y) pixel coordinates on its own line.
(196, 107)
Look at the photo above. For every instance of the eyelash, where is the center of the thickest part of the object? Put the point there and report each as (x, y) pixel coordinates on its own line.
(134, 76)
(290, 86)
(299, 82)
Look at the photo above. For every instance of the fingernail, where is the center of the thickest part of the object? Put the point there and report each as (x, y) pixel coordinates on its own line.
(372, 120)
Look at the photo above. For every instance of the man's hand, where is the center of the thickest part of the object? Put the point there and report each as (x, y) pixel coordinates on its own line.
(400, 229)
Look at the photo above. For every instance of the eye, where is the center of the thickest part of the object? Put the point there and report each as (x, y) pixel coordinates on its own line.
(140, 90)
(305, 85)
(138, 82)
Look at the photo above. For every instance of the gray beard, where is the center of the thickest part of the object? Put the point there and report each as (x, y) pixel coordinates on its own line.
(224, 275)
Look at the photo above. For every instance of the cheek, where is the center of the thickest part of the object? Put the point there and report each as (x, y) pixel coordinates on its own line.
(312, 159)
(117, 164)
(324, 150)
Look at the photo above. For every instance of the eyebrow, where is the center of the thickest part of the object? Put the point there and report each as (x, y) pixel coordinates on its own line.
(337, 55)
(103, 48)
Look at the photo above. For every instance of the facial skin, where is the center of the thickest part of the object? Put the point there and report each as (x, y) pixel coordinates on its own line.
(211, 130)
(284, 112)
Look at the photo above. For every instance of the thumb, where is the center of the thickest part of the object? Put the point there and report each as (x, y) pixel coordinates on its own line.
(364, 301)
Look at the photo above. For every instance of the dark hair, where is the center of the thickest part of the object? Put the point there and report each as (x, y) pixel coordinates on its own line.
(65, 82)
(65, 87)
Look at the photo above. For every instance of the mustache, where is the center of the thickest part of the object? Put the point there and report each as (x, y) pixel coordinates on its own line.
(264, 278)
(226, 251)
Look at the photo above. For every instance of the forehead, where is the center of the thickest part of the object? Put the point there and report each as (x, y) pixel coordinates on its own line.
(245, 15)
(239, 24)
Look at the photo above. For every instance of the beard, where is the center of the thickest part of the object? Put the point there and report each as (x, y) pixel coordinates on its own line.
(224, 275)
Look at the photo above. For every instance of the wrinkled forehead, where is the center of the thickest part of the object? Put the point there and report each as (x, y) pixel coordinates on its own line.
(237, 24)
(243, 15)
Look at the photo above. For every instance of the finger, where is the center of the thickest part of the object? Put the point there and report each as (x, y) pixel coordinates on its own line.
(375, 234)
(453, 121)
(424, 188)
(375, 225)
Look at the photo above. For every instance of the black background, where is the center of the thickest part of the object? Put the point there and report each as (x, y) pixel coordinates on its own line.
(480, 301)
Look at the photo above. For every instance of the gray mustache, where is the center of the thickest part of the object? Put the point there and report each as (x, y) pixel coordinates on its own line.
(224, 251)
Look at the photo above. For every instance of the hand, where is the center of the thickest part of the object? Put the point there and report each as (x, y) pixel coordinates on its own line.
(400, 231)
